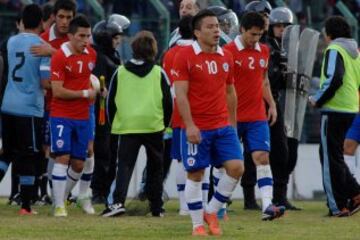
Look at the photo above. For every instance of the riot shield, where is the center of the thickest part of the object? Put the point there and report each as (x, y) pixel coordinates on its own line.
(308, 43)
(290, 44)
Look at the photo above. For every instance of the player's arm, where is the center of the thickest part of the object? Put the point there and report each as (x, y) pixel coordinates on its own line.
(182, 101)
(272, 113)
(334, 71)
(59, 91)
(231, 103)
(42, 50)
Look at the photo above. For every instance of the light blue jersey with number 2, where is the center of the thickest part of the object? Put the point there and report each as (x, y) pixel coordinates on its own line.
(23, 93)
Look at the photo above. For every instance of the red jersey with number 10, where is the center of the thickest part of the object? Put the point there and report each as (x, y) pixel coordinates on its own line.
(208, 75)
(250, 66)
(74, 70)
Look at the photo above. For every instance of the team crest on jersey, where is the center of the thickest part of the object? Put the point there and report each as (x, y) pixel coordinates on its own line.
(59, 143)
(262, 63)
(91, 66)
(191, 161)
(226, 67)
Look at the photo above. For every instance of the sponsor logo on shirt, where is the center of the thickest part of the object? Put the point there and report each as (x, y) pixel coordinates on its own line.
(56, 74)
(199, 66)
(238, 62)
(174, 73)
(68, 68)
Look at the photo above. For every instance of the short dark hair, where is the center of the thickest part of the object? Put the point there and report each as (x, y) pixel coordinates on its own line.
(67, 5)
(31, 16)
(197, 19)
(185, 29)
(144, 46)
(78, 22)
(336, 27)
(252, 19)
(47, 9)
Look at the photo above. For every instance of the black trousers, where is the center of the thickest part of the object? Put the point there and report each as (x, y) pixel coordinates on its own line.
(105, 154)
(279, 158)
(339, 184)
(129, 146)
(22, 143)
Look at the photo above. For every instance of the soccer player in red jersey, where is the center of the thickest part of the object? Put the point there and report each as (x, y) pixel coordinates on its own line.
(252, 88)
(206, 100)
(186, 40)
(71, 68)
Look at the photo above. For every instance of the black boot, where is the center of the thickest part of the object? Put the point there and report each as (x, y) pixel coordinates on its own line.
(249, 199)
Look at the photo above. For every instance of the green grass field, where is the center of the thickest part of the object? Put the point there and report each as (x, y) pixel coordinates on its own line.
(310, 223)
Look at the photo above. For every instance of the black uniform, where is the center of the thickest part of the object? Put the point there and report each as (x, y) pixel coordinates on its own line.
(105, 144)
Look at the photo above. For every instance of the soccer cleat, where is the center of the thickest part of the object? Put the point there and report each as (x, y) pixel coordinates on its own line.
(272, 212)
(15, 200)
(114, 210)
(60, 212)
(222, 215)
(199, 231)
(85, 204)
(343, 213)
(354, 205)
(213, 222)
(25, 212)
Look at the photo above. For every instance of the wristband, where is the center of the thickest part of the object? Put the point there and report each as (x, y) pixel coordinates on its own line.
(85, 93)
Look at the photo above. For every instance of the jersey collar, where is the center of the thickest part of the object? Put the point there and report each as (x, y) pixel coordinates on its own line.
(67, 51)
(184, 42)
(240, 46)
(197, 49)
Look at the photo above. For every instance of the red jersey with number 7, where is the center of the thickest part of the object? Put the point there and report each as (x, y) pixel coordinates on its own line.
(74, 70)
(208, 75)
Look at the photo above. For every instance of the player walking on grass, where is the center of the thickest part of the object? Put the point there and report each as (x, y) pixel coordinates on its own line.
(252, 88)
(206, 101)
(71, 68)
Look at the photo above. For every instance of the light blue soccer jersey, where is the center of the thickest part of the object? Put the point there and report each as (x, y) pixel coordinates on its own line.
(24, 95)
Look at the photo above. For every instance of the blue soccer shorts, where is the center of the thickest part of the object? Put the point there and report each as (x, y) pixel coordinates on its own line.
(69, 136)
(217, 146)
(255, 136)
(354, 131)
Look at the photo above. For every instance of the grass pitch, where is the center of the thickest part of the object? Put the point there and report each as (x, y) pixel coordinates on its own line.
(310, 223)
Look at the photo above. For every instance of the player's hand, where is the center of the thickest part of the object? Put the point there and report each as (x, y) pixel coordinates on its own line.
(92, 94)
(104, 92)
(272, 115)
(43, 50)
(193, 134)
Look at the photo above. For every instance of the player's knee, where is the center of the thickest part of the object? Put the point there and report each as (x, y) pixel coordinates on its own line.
(77, 166)
(261, 157)
(350, 147)
(196, 176)
(235, 170)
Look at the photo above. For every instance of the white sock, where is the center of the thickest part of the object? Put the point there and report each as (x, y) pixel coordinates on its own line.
(59, 183)
(265, 184)
(221, 196)
(85, 179)
(217, 174)
(350, 162)
(194, 201)
(71, 180)
(205, 187)
(180, 183)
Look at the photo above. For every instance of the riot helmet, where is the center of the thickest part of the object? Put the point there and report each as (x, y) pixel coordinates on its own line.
(258, 6)
(281, 15)
(228, 20)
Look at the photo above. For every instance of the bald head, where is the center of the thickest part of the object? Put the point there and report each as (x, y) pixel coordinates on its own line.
(188, 7)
